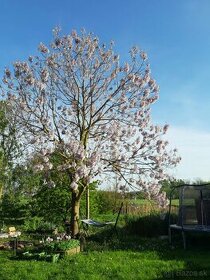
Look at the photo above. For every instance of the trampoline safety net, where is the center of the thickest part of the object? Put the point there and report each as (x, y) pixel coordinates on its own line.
(194, 206)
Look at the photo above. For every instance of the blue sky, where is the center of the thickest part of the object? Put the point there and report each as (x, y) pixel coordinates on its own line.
(174, 33)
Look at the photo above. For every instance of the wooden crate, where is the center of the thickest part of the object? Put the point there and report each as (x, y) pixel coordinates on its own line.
(73, 251)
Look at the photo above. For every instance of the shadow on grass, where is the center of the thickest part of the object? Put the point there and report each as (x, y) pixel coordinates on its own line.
(196, 258)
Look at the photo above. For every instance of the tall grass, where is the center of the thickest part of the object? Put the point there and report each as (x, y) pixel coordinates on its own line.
(145, 207)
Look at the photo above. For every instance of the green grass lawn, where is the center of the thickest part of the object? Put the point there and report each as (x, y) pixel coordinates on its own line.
(175, 202)
(125, 258)
(140, 201)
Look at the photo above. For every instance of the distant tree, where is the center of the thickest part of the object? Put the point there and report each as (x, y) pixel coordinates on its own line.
(52, 204)
(77, 97)
(199, 181)
(9, 146)
(168, 185)
(52, 200)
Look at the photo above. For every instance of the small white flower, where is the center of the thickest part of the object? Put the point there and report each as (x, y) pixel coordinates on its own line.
(49, 239)
(67, 237)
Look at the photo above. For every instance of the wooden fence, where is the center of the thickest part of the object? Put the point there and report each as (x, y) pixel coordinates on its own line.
(145, 209)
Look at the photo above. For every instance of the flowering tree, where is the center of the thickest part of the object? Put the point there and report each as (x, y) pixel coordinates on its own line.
(78, 98)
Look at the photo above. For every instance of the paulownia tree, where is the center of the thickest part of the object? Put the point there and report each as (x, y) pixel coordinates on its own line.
(78, 98)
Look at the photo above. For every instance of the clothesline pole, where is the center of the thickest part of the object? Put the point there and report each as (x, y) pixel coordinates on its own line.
(87, 203)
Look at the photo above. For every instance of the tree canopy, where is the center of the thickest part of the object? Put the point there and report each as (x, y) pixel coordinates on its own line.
(78, 98)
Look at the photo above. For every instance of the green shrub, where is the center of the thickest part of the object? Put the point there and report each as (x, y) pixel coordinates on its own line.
(14, 209)
(45, 227)
(107, 201)
(148, 226)
(32, 224)
(37, 224)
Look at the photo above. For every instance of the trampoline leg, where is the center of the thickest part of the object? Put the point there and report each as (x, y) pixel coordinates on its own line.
(184, 239)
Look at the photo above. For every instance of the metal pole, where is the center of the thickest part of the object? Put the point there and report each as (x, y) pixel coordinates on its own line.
(87, 203)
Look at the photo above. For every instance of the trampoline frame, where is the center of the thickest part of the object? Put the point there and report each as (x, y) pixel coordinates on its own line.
(181, 226)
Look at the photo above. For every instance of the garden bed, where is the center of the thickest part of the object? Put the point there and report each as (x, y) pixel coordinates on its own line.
(50, 251)
(42, 256)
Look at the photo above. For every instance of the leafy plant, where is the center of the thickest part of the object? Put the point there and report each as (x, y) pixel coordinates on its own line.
(42, 256)
(62, 245)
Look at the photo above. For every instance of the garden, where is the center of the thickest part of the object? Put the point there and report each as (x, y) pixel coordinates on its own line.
(126, 257)
(139, 249)
(78, 143)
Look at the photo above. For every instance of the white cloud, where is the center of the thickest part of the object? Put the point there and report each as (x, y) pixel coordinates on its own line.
(194, 148)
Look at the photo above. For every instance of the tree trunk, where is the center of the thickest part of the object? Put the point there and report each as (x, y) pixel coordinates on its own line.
(75, 215)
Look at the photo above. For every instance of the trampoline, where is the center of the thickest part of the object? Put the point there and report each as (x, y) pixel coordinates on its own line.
(193, 212)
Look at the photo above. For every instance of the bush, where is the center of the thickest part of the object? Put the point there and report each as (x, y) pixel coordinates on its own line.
(14, 209)
(37, 224)
(108, 201)
(152, 225)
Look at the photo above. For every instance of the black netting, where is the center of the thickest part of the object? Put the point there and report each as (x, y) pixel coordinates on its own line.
(194, 206)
